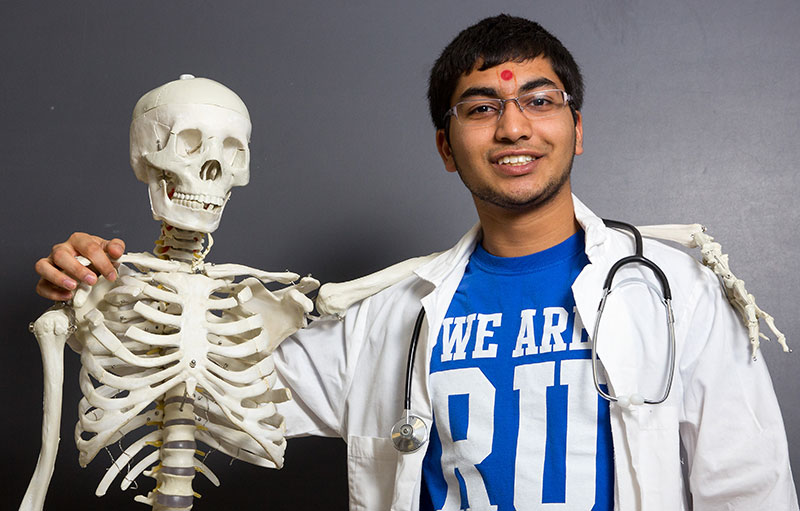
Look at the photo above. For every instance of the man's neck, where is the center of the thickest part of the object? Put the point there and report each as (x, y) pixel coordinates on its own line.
(515, 233)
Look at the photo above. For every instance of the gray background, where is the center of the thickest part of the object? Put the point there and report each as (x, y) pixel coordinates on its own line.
(691, 115)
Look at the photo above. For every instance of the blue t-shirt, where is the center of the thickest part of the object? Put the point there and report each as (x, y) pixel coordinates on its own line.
(517, 421)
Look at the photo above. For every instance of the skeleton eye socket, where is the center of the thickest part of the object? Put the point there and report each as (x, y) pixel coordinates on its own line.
(189, 142)
(162, 133)
(234, 153)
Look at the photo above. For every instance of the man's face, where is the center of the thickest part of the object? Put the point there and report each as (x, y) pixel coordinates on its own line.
(547, 145)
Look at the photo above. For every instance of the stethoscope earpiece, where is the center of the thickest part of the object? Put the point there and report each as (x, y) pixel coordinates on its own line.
(409, 433)
(629, 401)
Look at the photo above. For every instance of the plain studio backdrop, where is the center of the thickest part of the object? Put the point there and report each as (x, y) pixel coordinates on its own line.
(691, 115)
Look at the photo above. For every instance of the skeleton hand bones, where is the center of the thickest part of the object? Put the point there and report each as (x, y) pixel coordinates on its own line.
(743, 301)
(695, 236)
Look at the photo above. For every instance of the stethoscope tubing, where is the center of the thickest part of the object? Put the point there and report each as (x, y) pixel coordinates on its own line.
(636, 258)
(632, 399)
(412, 350)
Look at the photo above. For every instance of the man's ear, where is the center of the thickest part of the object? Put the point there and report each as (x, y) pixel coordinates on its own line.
(578, 133)
(445, 151)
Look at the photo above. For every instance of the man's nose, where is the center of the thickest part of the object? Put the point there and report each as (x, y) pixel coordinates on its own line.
(512, 125)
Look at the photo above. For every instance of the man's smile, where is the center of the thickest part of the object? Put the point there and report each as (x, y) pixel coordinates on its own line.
(515, 162)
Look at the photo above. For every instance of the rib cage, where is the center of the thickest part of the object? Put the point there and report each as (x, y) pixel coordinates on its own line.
(154, 331)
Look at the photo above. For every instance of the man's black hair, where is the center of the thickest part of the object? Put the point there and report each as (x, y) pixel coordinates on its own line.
(491, 42)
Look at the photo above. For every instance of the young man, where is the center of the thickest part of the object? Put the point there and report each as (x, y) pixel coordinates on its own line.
(502, 373)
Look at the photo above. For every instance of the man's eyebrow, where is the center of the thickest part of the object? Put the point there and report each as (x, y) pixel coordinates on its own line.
(478, 91)
(537, 84)
(490, 92)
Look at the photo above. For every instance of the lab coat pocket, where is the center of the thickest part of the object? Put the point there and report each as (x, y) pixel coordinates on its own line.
(659, 458)
(371, 465)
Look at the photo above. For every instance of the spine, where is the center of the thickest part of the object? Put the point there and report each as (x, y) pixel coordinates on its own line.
(174, 478)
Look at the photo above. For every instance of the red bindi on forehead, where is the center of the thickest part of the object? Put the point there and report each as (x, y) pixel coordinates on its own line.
(507, 74)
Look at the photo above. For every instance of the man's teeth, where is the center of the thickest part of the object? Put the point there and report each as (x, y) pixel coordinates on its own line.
(516, 160)
(204, 202)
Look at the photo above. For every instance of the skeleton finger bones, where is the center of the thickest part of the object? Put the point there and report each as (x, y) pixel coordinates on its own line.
(740, 298)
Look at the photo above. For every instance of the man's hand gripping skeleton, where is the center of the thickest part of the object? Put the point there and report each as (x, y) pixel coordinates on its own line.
(184, 346)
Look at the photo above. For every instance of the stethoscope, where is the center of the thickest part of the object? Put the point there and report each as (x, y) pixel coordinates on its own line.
(410, 432)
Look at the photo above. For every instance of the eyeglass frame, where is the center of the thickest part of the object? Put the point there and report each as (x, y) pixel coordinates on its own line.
(453, 113)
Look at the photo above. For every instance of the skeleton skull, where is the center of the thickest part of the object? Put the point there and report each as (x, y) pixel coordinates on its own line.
(189, 143)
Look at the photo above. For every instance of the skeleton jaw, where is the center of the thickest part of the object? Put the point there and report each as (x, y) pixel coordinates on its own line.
(183, 210)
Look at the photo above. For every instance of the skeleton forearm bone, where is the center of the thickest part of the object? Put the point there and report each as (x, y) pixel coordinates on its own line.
(51, 330)
(335, 297)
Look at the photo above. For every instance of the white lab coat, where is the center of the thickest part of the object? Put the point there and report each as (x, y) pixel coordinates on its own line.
(347, 378)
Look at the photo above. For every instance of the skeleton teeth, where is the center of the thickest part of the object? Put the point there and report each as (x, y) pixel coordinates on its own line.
(198, 201)
(516, 160)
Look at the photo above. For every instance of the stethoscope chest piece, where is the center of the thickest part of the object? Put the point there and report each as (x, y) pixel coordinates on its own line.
(409, 433)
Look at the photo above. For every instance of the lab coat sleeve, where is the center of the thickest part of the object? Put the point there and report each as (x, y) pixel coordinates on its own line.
(316, 365)
(732, 430)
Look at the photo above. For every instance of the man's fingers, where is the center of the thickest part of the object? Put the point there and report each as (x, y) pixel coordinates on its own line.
(51, 292)
(115, 248)
(94, 248)
(64, 259)
(95, 252)
(61, 271)
(50, 273)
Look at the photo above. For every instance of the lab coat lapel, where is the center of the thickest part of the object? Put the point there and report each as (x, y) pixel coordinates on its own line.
(587, 290)
(445, 274)
(618, 366)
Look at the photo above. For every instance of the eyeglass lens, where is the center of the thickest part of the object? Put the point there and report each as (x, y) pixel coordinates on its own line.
(534, 105)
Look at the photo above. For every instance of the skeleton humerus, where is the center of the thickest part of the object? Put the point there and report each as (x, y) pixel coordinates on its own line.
(176, 350)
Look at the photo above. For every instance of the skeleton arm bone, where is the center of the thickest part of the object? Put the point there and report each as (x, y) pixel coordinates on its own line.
(335, 298)
(51, 330)
(678, 233)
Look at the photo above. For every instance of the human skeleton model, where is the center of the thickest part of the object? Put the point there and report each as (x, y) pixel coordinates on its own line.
(175, 343)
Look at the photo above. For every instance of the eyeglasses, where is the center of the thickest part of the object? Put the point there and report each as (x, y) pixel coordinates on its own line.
(487, 111)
